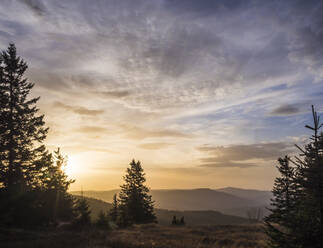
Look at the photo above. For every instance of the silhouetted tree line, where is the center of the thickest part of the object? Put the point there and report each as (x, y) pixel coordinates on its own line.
(296, 218)
(33, 185)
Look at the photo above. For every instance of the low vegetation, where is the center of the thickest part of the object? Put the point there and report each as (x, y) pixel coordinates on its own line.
(143, 236)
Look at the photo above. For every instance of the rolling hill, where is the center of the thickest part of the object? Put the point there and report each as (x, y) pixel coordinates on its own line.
(232, 201)
(164, 217)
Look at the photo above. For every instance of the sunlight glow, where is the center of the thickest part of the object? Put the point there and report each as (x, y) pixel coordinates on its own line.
(73, 166)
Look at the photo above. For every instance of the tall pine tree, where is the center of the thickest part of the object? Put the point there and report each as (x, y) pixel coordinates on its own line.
(22, 129)
(33, 187)
(296, 219)
(310, 178)
(135, 204)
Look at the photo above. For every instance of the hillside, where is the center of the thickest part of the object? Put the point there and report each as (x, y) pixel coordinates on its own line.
(140, 236)
(198, 218)
(232, 201)
(259, 197)
(164, 217)
(96, 206)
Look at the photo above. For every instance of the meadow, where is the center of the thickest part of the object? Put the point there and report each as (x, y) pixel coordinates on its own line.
(141, 236)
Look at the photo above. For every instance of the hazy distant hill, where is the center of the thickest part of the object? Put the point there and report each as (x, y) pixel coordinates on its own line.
(192, 218)
(164, 217)
(259, 197)
(233, 201)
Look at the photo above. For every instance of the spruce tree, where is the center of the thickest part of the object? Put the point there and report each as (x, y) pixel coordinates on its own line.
(113, 213)
(310, 167)
(174, 220)
(59, 203)
(135, 204)
(280, 222)
(102, 221)
(296, 216)
(22, 129)
(33, 186)
(83, 214)
(182, 221)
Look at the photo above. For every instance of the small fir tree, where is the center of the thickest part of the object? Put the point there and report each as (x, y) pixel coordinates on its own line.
(59, 203)
(135, 204)
(174, 220)
(281, 220)
(182, 221)
(83, 213)
(113, 213)
(102, 221)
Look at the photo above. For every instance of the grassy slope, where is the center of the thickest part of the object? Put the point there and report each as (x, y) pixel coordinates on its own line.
(141, 236)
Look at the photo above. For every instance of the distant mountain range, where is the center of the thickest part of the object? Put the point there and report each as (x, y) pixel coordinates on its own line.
(232, 201)
(165, 217)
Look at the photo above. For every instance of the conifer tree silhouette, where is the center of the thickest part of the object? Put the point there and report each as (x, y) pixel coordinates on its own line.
(59, 202)
(33, 187)
(174, 220)
(22, 129)
(135, 204)
(114, 210)
(296, 219)
(182, 221)
(83, 213)
(283, 208)
(102, 220)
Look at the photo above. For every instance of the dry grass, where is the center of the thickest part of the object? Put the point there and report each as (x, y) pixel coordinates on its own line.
(149, 236)
(145, 236)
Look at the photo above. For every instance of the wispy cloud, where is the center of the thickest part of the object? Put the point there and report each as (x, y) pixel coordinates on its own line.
(77, 109)
(243, 156)
(91, 129)
(139, 133)
(154, 146)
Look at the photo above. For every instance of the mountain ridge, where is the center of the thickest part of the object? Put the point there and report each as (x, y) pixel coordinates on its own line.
(229, 200)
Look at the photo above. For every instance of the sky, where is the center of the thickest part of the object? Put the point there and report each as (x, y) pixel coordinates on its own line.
(206, 94)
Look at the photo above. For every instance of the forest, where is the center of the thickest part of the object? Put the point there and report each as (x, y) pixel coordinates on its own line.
(38, 210)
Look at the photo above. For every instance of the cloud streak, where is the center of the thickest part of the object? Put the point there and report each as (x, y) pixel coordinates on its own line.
(285, 110)
(243, 156)
(78, 109)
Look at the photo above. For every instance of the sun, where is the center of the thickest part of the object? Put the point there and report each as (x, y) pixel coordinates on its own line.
(73, 166)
